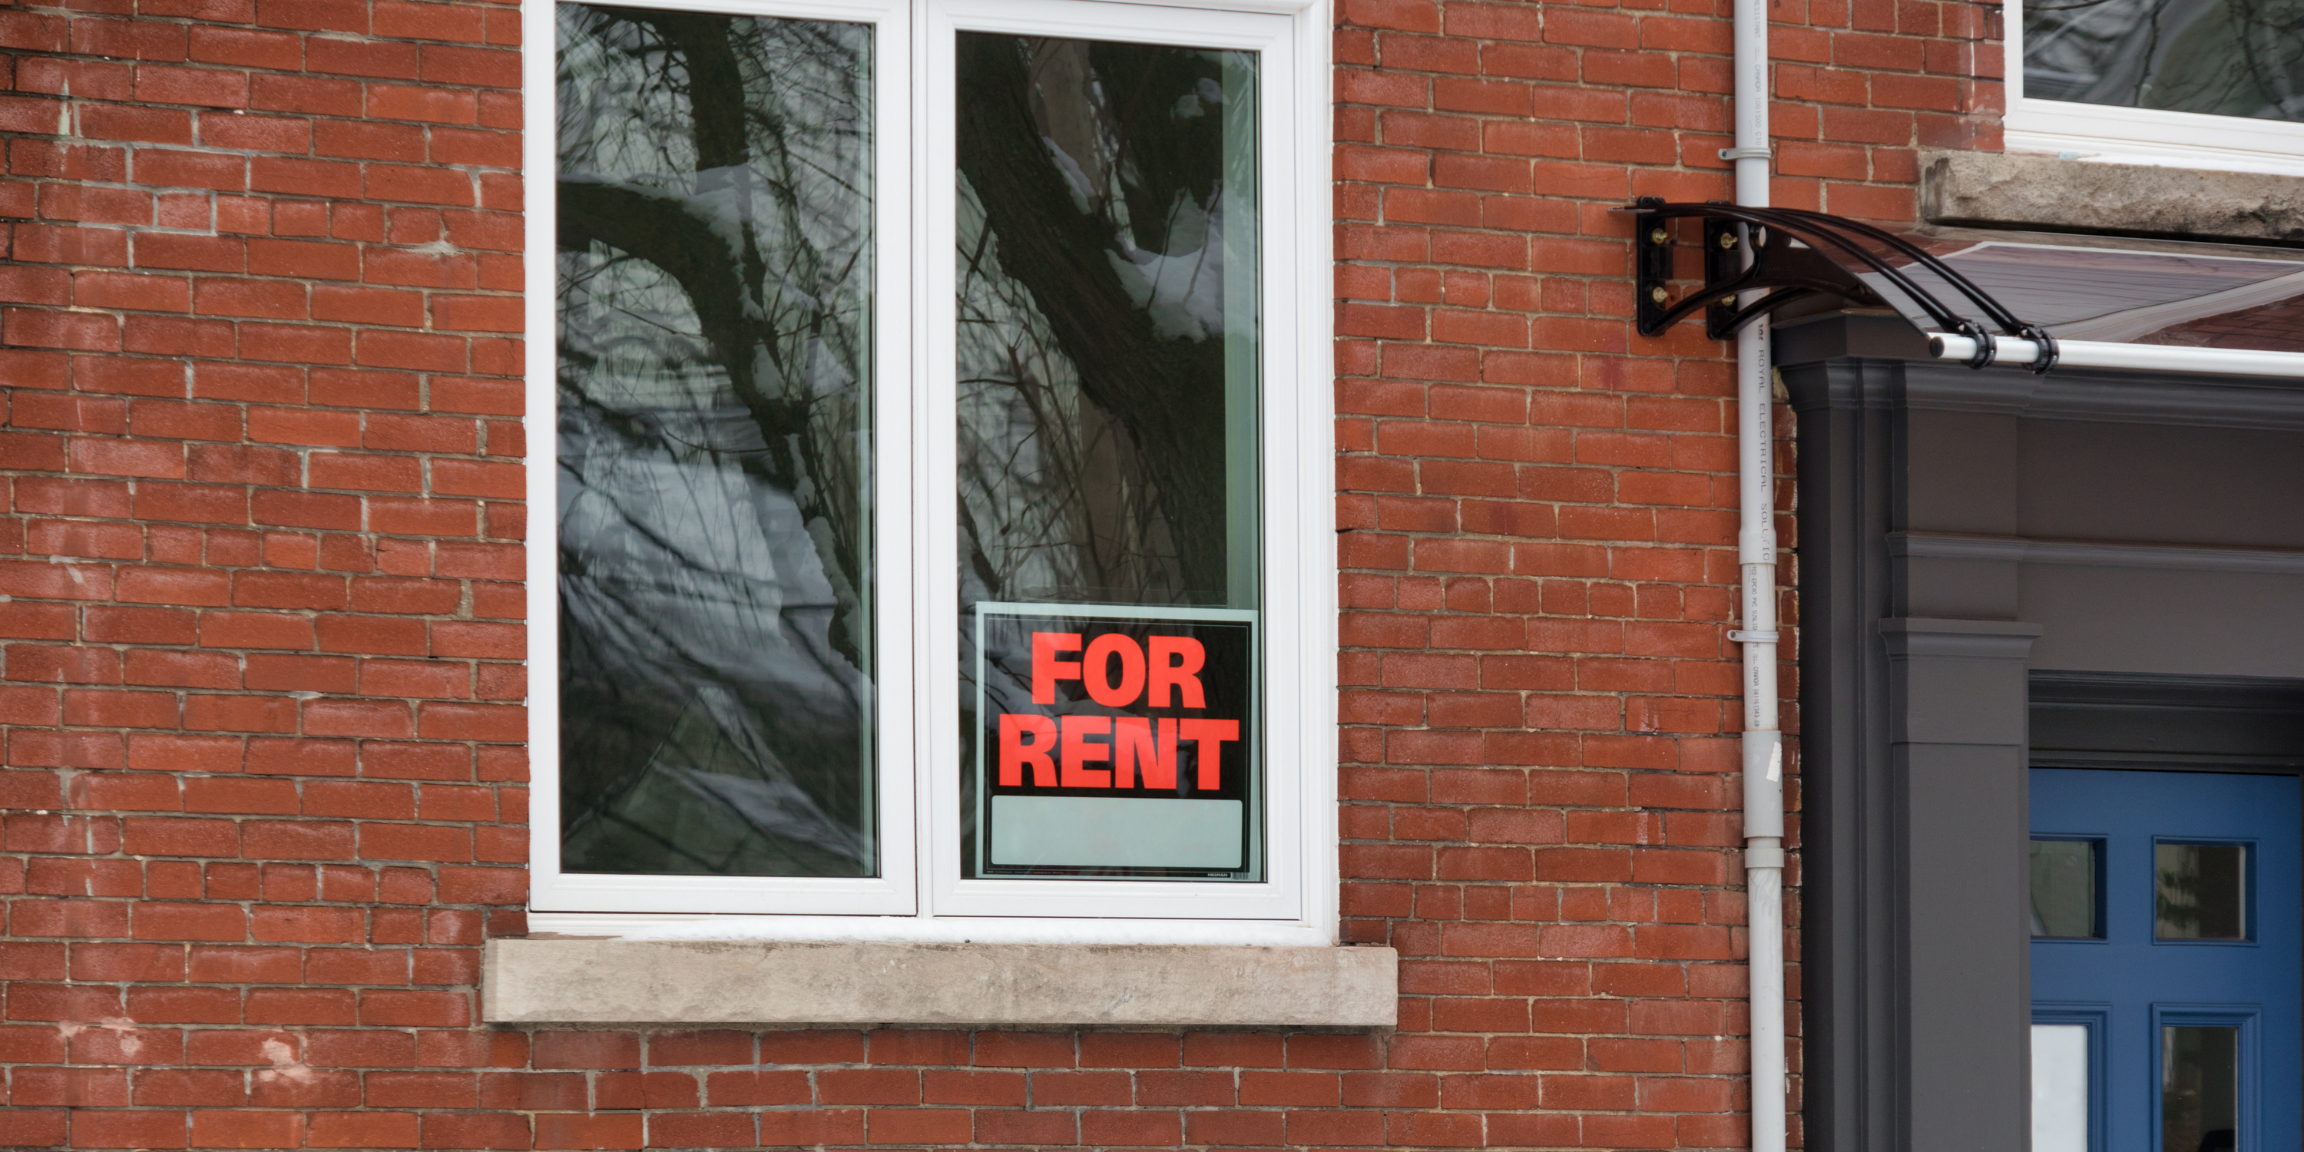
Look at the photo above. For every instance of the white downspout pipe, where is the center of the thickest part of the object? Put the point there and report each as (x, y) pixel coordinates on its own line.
(1756, 548)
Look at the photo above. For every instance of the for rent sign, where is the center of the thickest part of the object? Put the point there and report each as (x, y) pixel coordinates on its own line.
(1117, 742)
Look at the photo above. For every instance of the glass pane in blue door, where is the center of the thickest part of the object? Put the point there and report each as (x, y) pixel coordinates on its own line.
(2193, 967)
(2199, 1088)
(2060, 1078)
(2064, 879)
(2203, 891)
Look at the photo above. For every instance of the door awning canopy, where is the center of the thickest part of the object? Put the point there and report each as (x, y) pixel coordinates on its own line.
(2037, 303)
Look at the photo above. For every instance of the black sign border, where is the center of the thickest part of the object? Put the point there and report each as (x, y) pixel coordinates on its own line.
(1259, 845)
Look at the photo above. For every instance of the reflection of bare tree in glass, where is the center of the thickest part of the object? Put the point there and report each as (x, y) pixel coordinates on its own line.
(1107, 264)
(762, 309)
(2224, 57)
(715, 267)
(2202, 891)
(1092, 323)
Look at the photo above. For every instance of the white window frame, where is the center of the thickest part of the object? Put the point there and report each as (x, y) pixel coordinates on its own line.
(2108, 133)
(920, 893)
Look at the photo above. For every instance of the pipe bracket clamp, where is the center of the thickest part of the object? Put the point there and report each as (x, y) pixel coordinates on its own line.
(2048, 352)
(1987, 348)
(1742, 637)
(1747, 153)
(1763, 858)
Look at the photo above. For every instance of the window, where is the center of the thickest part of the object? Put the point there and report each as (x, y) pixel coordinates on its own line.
(2068, 1096)
(2207, 83)
(2200, 892)
(940, 538)
(2067, 882)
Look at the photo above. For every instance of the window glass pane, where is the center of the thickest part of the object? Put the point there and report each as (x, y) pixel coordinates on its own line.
(2064, 889)
(2223, 57)
(1108, 521)
(2203, 891)
(714, 444)
(2059, 1088)
(2199, 1088)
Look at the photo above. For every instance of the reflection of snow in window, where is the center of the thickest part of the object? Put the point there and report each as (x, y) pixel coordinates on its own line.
(2223, 57)
(713, 444)
(1094, 380)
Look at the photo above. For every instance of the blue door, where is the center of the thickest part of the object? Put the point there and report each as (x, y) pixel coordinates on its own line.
(2167, 987)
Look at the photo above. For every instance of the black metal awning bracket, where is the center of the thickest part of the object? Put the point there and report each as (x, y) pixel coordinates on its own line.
(1652, 260)
(1777, 252)
(1777, 267)
(1724, 248)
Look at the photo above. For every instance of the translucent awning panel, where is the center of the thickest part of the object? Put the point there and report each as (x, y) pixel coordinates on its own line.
(2093, 289)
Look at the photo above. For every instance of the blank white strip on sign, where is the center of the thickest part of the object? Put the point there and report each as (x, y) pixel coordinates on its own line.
(1115, 832)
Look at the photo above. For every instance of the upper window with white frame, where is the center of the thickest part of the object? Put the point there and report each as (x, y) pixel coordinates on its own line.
(940, 514)
(2218, 82)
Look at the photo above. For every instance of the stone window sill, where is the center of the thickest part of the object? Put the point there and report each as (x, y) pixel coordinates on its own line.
(696, 982)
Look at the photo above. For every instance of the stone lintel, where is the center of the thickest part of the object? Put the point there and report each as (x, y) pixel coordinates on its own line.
(2043, 192)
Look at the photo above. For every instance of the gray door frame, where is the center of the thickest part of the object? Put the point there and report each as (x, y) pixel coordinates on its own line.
(1963, 536)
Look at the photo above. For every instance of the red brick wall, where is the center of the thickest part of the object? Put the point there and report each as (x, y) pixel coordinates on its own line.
(1540, 705)
(264, 786)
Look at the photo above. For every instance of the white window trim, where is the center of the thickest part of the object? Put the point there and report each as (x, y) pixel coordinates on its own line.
(920, 895)
(2109, 134)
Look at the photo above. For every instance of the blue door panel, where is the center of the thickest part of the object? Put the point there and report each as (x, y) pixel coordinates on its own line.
(2132, 979)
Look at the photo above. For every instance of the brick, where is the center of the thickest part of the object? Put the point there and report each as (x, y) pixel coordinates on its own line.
(205, 922)
(421, 185)
(476, 149)
(346, 57)
(477, 313)
(426, 105)
(412, 351)
(243, 46)
(304, 259)
(753, 1088)
(586, 1050)
(126, 1129)
(475, 1130)
(176, 420)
